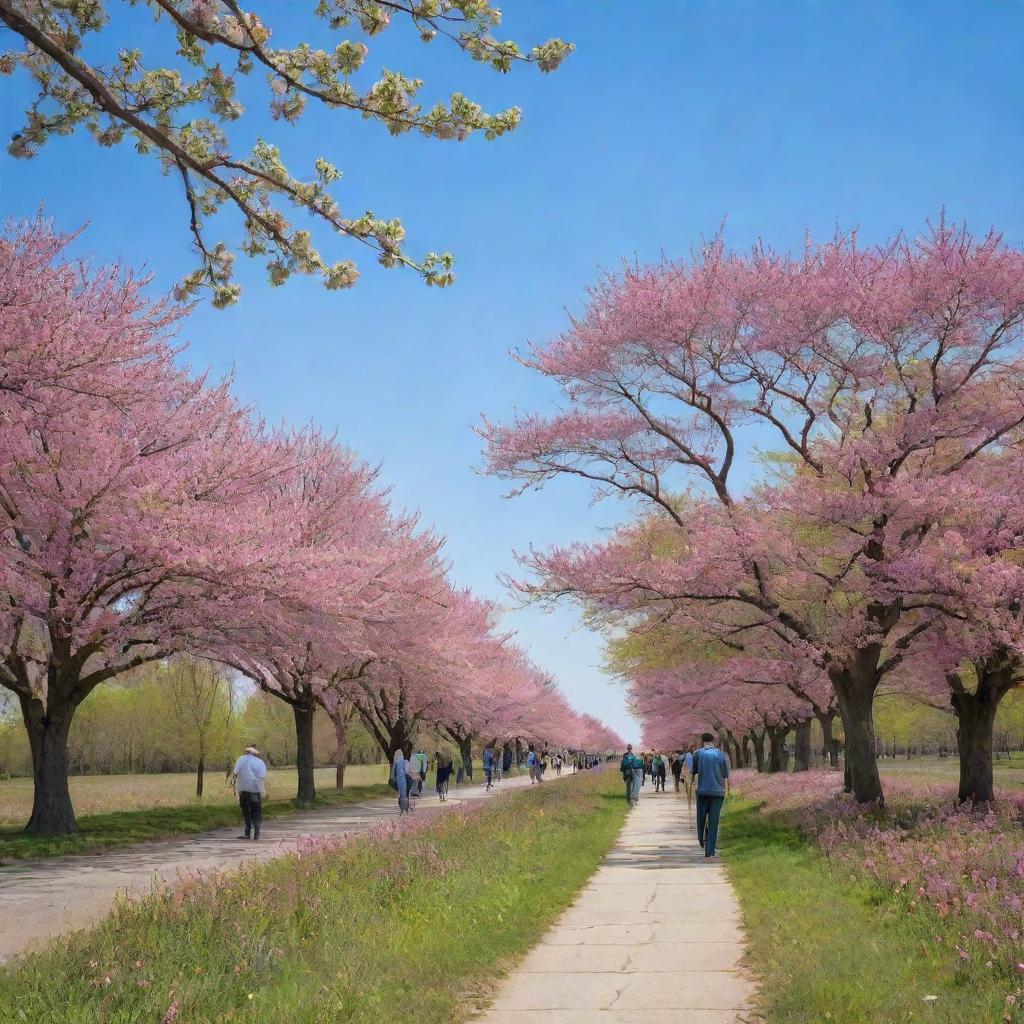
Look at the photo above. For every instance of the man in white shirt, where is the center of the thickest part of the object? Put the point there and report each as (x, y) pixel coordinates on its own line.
(248, 780)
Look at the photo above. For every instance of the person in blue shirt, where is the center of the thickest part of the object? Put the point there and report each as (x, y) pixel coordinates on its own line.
(711, 769)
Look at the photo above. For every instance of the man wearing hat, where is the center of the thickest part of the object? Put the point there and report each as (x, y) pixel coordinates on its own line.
(247, 779)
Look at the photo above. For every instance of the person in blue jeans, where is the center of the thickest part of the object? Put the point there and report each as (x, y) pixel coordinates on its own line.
(711, 769)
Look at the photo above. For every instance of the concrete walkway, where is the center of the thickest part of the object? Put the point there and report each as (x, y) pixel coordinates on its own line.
(43, 898)
(655, 936)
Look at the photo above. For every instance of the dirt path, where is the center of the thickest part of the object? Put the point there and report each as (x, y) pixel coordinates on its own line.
(40, 899)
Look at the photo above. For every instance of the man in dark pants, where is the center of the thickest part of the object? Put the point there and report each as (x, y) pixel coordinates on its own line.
(711, 767)
(248, 779)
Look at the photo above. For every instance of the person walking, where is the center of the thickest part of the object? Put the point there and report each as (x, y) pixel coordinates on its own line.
(677, 767)
(444, 773)
(419, 762)
(488, 759)
(632, 768)
(532, 763)
(400, 777)
(248, 779)
(506, 761)
(711, 769)
(659, 772)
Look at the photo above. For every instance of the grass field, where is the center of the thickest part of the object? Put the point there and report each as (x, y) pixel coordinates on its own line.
(103, 794)
(118, 810)
(836, 948)
(408, 923)
(1008, 772)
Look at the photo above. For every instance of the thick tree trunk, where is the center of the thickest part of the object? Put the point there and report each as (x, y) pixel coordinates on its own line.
(758, 744)
(341, 721)
(48, 729)
(802, 748)
(855, 691)
(778, 759)
(975, 721)
(831, 744)
(306, 793)
(466, 751)
(200, 770)
(976, 716)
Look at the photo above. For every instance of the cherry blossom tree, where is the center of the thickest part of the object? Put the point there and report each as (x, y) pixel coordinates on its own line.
(85, 76)
(874, 369)
(131, 496)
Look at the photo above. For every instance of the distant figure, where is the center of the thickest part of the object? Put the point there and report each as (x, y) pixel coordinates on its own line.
(632, 768)
(419, 762)
(658, 764)
(444, 773)
(558, 765)
(677, 767)
(506, 761)
(532, 763)
(711, 767)
(401, 780)
(488, 759)
(412, 777)
(248, 779)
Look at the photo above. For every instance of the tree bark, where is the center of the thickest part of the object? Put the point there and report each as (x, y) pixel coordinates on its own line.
(802, 749)
(466, 750)
(976, 716)
(745, 755)
(855, 690)
(758, 744)
(48, 729)
(830, 743)
(200, 769)
(306, 793)
(778, 759)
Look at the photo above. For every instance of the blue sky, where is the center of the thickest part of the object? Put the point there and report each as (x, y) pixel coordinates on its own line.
(779, 115)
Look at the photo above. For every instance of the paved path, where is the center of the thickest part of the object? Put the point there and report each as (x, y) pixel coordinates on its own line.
(40, 899)
(654, 936)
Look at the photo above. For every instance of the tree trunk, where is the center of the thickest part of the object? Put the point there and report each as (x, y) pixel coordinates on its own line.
(466, 750)
(855, 691)
(52, 811)
(976, 716)
(341, 721)
(304, 754)
(802, 749)
(831, 744)
(778, 759)
(758, 744)
(200, 769)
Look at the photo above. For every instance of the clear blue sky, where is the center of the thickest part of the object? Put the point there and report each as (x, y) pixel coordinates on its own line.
(778, 114)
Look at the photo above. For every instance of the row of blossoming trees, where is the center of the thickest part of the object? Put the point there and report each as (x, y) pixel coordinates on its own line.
(826, 449)
(146, 513)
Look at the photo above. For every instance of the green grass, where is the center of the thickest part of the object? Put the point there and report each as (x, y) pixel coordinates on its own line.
(103, 794)
(413, 923)
(122, 828)
(830, 948)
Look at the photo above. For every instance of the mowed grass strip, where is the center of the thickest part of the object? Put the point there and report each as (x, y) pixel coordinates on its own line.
(829, 948)
(412, 922)
(123, 828)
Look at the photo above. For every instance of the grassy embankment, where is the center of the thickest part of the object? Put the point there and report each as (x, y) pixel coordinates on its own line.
(118, 810)
(412, 922)
(831, 947)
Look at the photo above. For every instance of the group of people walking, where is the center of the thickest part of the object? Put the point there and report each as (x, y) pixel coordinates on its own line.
(706, 768)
